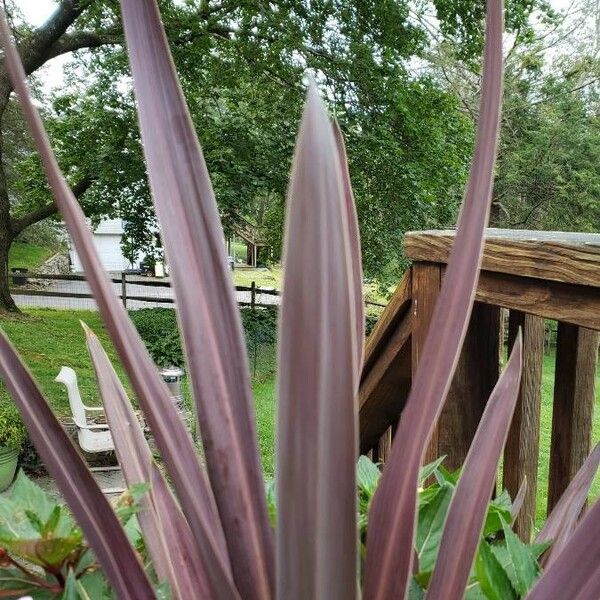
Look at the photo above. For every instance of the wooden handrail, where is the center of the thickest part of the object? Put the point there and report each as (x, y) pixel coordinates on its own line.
(532, 276)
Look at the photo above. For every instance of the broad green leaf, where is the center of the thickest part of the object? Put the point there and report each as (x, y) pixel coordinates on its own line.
(431, 525)
(430, 469)
(70, 591)
(522, 561)
(493, 580)
(499, 512)
(444, 476)
(367, 475)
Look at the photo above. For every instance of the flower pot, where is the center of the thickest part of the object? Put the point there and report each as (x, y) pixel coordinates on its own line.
(9, 457)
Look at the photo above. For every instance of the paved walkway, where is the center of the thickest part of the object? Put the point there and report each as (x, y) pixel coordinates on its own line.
(111, 482)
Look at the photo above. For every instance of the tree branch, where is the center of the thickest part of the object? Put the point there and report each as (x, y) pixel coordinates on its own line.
(19, 224)
(34, 50)
(84, 39)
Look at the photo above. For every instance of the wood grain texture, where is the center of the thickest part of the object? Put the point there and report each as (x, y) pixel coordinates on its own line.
(426, 282)
(557, 256)
(575, 304)
(384, 390)
(388, 322)
(474, 379)
(522, 446)
(574, 395)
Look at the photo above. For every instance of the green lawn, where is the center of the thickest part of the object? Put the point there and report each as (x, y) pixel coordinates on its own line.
(28, 256)
(264, 277)
(47, 339)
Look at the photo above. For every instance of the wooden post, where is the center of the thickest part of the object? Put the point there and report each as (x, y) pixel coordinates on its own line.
(574, 395)
(253, 295)
(124, 288)
(521, 451)
(426, 281)
(474, 379)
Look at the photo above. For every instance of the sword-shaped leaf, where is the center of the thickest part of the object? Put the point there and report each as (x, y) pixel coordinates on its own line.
(173, 440)
(575, 572)
(207, 309)
(564, 517)
(318, 355)
(392, 516)
(467, 512)
(355, 253)
(89, 505)
(174, 556)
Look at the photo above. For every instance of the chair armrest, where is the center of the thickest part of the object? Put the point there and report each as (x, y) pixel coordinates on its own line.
(94, 408)
(94, 427)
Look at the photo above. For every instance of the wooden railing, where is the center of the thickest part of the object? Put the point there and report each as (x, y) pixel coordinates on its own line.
(529, 276)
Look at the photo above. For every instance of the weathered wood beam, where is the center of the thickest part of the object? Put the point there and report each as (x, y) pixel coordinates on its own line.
(556, 256)
(522, 445)
(574, 396)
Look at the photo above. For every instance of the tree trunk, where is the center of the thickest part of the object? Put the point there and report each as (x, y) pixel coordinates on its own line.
(6, 301)
(6, 234)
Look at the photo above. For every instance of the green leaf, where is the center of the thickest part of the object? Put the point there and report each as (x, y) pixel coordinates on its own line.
(522, 562)
(499, 512)
(430, 469)
(70, 591)
(494, 582)
(367, 475)
(444, 476)
(52, 522)
(431, 525)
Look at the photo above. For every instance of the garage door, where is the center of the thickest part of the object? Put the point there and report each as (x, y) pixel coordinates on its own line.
(109, 249)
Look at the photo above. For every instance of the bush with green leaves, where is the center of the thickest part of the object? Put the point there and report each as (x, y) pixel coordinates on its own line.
(205, 519)
(13, 432)
(158, 328)
(43, 552)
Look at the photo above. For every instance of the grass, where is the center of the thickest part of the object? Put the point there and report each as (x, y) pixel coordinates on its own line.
(545, 431)
(28, 256)
(48, 339)
(264, 277)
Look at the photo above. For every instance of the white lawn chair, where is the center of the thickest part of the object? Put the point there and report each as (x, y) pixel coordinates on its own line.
(92, 437)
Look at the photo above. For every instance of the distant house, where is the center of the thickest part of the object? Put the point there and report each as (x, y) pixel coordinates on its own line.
(107, 239)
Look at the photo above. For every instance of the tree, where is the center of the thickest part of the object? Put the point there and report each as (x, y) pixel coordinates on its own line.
(242, 67)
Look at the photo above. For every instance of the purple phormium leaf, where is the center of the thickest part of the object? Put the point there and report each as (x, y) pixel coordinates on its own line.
(393, 511)
(575, 572)
(467, 512)
(517, 503)
(208, 312)
(172, 438)
(355, 254)
(317, 420)
(91, 509)
(174, 557)
(564, 517)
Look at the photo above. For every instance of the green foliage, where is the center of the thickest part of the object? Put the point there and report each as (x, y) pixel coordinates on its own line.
(504, 568)
(12, 429)
(42, 550)
(158, 329)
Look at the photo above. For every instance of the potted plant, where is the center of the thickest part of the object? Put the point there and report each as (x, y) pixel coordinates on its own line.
(12, 436)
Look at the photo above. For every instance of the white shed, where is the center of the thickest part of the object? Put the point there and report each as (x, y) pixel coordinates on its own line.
(107, 239)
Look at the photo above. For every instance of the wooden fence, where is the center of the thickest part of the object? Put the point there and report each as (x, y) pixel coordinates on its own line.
(531, 276)
(123, 283)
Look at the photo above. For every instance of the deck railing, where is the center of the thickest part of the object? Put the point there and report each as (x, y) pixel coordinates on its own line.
(526, 278)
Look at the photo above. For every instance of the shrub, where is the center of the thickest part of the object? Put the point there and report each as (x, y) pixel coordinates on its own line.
(158, 329)
(214, 539)
(12, 429)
